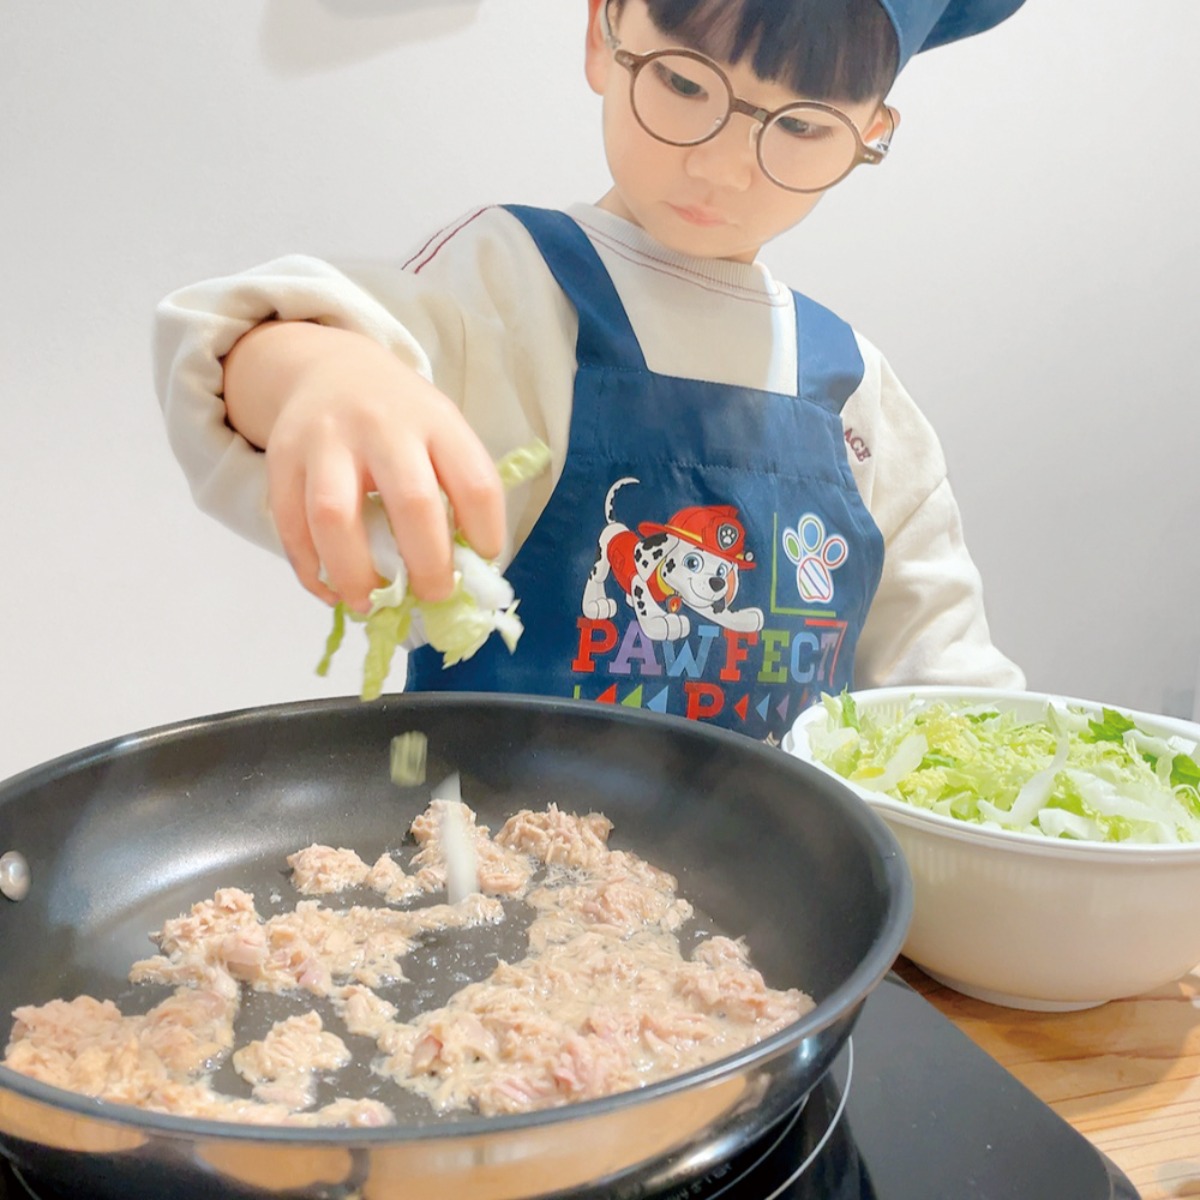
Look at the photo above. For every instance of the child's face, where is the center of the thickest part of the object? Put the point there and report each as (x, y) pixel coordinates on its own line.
(712, 199)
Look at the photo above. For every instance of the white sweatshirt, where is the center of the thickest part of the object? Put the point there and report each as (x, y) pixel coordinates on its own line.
(477, 311)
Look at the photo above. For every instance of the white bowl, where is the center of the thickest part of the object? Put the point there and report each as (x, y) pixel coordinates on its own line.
(1028, 921)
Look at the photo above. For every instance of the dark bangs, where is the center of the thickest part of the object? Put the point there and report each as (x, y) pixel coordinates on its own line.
(822, 49)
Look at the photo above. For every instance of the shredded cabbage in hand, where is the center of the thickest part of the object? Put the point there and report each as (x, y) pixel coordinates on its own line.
(1067, 775)
(482, 602)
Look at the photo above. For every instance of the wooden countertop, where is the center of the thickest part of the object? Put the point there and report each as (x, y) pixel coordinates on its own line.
(1125, 1075)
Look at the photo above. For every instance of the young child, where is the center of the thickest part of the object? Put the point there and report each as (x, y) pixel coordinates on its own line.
(744, 507)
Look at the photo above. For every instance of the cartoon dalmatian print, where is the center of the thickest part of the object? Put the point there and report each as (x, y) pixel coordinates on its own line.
(693, 562)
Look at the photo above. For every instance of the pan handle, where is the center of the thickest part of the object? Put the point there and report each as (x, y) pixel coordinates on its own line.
(14, 875)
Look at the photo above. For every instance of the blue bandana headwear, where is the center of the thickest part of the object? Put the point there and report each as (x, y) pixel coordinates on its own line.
(923, 24)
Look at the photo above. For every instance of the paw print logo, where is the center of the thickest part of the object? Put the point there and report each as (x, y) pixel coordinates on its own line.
(728, 535)
(816, 557)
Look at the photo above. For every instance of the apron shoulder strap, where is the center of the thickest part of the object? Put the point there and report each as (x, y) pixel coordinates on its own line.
(829, 363)
(605, 335)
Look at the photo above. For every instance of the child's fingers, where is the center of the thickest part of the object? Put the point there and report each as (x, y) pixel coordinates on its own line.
(285, 495)
(472, 485)
(333, 501)
(412, 499)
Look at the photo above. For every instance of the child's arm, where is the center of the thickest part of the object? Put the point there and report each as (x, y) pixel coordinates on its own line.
(476, 313)
(927, 623)
(340, 416)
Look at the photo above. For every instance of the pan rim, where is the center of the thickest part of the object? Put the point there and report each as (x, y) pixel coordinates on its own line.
(842, 1004)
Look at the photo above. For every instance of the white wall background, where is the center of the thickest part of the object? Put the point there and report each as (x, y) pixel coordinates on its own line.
(1028, 259)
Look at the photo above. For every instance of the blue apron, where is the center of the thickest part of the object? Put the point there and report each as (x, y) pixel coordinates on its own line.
(706, 551)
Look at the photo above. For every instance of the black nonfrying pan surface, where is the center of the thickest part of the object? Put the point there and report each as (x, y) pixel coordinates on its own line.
(123, 835)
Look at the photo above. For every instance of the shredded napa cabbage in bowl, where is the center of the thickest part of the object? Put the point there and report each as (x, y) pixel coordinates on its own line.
(1078, 773)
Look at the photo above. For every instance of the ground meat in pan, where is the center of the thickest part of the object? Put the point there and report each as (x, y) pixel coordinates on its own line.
(603, 1000)
(309, 947)
(282, 1066)
(503, 870)
(322, 871)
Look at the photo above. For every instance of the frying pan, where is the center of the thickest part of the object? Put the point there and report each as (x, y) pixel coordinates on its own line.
(125, 834)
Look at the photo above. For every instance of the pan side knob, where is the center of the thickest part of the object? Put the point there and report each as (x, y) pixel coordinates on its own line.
(14, 875)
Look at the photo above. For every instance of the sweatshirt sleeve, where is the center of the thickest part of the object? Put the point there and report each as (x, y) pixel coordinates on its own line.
(927, 624)
(475, 311)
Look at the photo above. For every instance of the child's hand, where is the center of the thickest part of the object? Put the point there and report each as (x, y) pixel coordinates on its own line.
(340, 416)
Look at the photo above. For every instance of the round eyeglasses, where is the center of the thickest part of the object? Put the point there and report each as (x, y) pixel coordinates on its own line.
(681, 97)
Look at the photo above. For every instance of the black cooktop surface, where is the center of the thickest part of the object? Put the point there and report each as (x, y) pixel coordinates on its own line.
(912, 1110)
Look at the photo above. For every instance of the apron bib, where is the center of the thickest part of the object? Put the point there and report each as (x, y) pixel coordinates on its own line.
(706, 551)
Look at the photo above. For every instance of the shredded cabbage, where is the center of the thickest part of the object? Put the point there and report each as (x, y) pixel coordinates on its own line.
(409, 757)
(1066, 775)
(482, 602)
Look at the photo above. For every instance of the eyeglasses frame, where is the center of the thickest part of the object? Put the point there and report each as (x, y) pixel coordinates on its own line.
(871, 154)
